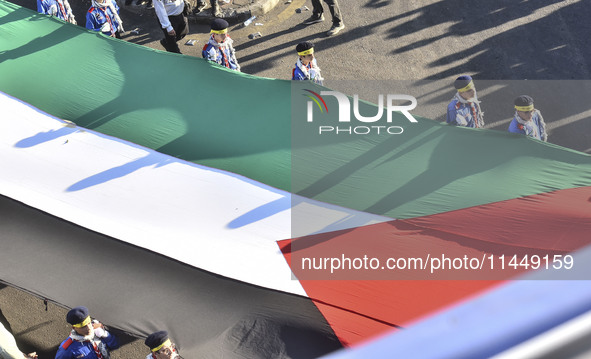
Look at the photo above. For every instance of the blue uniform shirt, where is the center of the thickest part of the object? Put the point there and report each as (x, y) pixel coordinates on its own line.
(313, 72)
(103, 19)
(73, 349)
(535, 128)
(58, 8)
(462, 114)
(222, 54)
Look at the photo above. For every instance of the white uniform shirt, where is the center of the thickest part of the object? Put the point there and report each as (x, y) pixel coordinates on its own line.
(166, 8)
(8, 348)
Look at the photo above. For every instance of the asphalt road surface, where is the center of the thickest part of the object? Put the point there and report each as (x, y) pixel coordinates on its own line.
(535, 47)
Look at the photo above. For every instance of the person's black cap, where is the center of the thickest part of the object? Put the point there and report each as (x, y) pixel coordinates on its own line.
(156, 339)
(463, 82)
(77, 315)
(219, 24)
(303, 46)
(524, 100)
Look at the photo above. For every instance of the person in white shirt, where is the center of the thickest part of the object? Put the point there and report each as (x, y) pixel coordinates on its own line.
(173, 22)
(8, 347)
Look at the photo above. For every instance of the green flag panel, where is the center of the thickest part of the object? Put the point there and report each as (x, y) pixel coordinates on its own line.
(257, 127)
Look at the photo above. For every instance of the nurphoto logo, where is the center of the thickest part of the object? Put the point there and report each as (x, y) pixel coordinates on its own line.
(344, 113)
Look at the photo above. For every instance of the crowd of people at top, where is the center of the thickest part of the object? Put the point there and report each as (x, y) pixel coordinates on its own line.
(463, 110)
(103, 16)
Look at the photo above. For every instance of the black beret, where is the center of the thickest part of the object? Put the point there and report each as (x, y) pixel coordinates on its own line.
(219, 24)
(303, 46)
(524, 100)
(156, 339)
(462, 81)
(77, 315)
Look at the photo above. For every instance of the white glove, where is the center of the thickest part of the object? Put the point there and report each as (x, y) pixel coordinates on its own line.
(100, 333)
(52, 10)
(106, 28)
(461, 120)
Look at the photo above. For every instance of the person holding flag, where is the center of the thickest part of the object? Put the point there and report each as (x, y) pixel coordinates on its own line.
(88, 339)
(528, 120)
(58, 8)
(306, 67)
(219, 48)
(464, 108)
(103, 16)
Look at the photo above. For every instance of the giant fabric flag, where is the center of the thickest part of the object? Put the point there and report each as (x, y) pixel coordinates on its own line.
(137, 189)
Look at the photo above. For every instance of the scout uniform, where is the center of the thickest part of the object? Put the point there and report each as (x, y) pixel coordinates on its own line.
(311, 71)
(95, 345)
(221, 53)
(462, 112)
(104, 17)
(534, 127)
(58, 8)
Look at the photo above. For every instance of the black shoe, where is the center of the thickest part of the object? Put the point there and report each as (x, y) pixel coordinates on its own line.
(335, 29)
(315, 18)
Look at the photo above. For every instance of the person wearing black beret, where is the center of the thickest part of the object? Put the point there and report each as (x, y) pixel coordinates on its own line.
(89, 339)
(527, 120)
(464, 108)
(219, 48)
(161, 347)
(173, 21)
(306, 67)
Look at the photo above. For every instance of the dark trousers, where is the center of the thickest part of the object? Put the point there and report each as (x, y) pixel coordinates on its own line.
(213, 3)
(181, 27)
(215, 7)
(337, 18)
